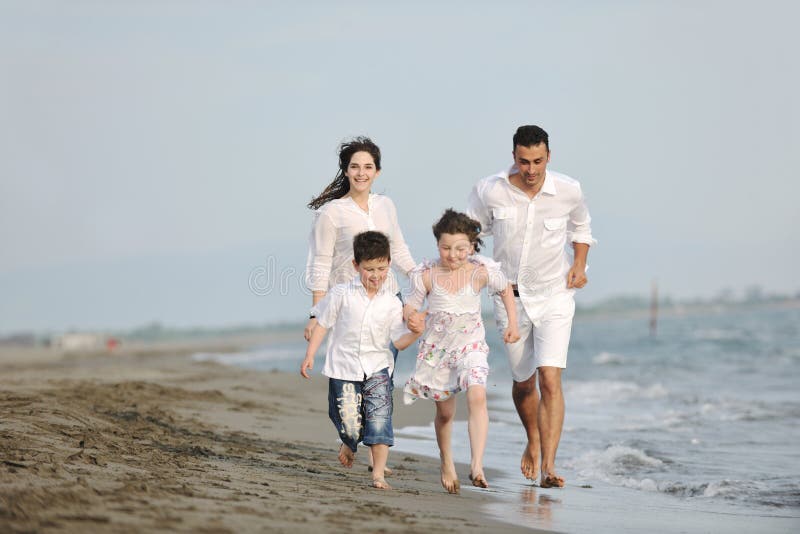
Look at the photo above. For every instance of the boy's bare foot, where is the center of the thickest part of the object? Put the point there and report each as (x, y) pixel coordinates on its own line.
(551, 480)
(530, 462)
(450, 478)
(346, 456)
(479, 480)
(380, 483)
(386, 471)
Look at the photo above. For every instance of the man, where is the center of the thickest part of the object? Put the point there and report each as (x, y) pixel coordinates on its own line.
(532, 212)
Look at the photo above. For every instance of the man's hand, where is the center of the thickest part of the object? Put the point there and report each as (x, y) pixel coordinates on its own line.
(309, 328)
(306, 366)
(511, 334)
(576, 277)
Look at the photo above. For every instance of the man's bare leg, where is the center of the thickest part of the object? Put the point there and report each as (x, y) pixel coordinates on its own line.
(380, 454)
(346, 455)
(443, 423)
(551, 421)
(526, 400)
(478, 427)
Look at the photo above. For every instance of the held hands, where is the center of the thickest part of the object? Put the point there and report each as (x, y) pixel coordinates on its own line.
(309, 328)
(416, 322)
(306, 366)
(511, 334)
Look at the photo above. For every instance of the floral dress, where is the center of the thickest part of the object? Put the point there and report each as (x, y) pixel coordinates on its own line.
(452, 351)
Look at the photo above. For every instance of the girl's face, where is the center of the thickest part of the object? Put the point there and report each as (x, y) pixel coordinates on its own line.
(454, 249)
(361, 172)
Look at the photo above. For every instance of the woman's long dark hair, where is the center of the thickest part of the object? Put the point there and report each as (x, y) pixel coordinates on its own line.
(340, 185)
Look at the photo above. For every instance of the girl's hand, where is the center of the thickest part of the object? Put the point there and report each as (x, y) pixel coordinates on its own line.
(309, 328)
(511, 335)
(306, 366)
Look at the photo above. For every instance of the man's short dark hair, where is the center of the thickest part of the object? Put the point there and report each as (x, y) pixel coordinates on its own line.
(531, 135)
(371, 245)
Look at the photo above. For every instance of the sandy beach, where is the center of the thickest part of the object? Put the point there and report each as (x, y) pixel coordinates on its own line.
(144, 439)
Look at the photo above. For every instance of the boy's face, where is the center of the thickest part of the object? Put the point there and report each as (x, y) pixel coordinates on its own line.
(373, 272)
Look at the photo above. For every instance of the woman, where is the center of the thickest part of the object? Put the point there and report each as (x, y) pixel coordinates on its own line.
(345, 208)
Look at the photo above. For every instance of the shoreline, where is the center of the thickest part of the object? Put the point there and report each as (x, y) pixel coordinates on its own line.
(147, 439)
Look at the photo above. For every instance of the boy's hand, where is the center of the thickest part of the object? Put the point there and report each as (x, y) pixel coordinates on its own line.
(306, 366)
(416, 322)
(511, 335)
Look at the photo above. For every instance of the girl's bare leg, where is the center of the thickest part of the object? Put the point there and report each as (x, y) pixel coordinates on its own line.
(478, 426)
(443, 423)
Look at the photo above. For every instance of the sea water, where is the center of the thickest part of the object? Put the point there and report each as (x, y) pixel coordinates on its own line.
(695, 429)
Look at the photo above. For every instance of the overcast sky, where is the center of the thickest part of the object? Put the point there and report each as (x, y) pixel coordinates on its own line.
(154, 155)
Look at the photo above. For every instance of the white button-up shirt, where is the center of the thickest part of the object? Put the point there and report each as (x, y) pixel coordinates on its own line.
(361, 328)
(330, 245)
(530, 234)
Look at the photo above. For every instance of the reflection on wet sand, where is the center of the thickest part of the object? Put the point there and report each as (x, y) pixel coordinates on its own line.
(538, 506)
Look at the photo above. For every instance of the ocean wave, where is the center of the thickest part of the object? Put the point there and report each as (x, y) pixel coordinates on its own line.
(608, 358)
(634, 468)
(600, 391)
(613, 462)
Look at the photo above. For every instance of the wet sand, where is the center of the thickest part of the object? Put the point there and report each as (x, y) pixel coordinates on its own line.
(145, 440)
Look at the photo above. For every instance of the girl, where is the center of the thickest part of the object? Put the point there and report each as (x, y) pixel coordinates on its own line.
(452, 351)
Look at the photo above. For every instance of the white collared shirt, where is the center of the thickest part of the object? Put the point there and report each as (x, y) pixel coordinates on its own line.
(361, 328)
(530, 235)
(330, 245)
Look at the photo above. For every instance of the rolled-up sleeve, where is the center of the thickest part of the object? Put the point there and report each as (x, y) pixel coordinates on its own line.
(328, 309)
(478, 210)
(321, 244)
(580, 224)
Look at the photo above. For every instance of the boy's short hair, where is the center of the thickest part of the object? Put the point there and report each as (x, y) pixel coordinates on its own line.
(371, 245)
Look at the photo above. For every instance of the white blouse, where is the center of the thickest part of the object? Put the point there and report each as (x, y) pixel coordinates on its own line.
(330, 245)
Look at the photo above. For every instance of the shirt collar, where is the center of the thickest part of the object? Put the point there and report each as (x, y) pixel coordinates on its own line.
(360, 286)
(548, 187)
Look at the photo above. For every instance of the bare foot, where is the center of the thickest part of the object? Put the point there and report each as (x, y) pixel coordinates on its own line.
(380, 483)
(450, 478)
(346, 456)
(551, 480)
(386, 471)
(530, 462)
(479, 481)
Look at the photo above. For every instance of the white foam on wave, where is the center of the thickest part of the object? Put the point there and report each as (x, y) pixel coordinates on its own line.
(633, 468)
(608, 358)
(614, 462)
(602, 391)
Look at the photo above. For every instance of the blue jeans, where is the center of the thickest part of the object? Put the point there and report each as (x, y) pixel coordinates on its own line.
(362, 411)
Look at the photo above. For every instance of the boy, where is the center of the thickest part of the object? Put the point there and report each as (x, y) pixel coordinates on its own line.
(365, 315)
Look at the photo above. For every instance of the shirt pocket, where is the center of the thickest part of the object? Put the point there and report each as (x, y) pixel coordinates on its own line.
(555, 232)
(503, 220)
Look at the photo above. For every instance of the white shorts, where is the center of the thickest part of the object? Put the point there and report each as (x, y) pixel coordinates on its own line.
(544, 339)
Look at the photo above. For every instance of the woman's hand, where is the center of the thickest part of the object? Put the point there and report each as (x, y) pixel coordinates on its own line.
(309, 328)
